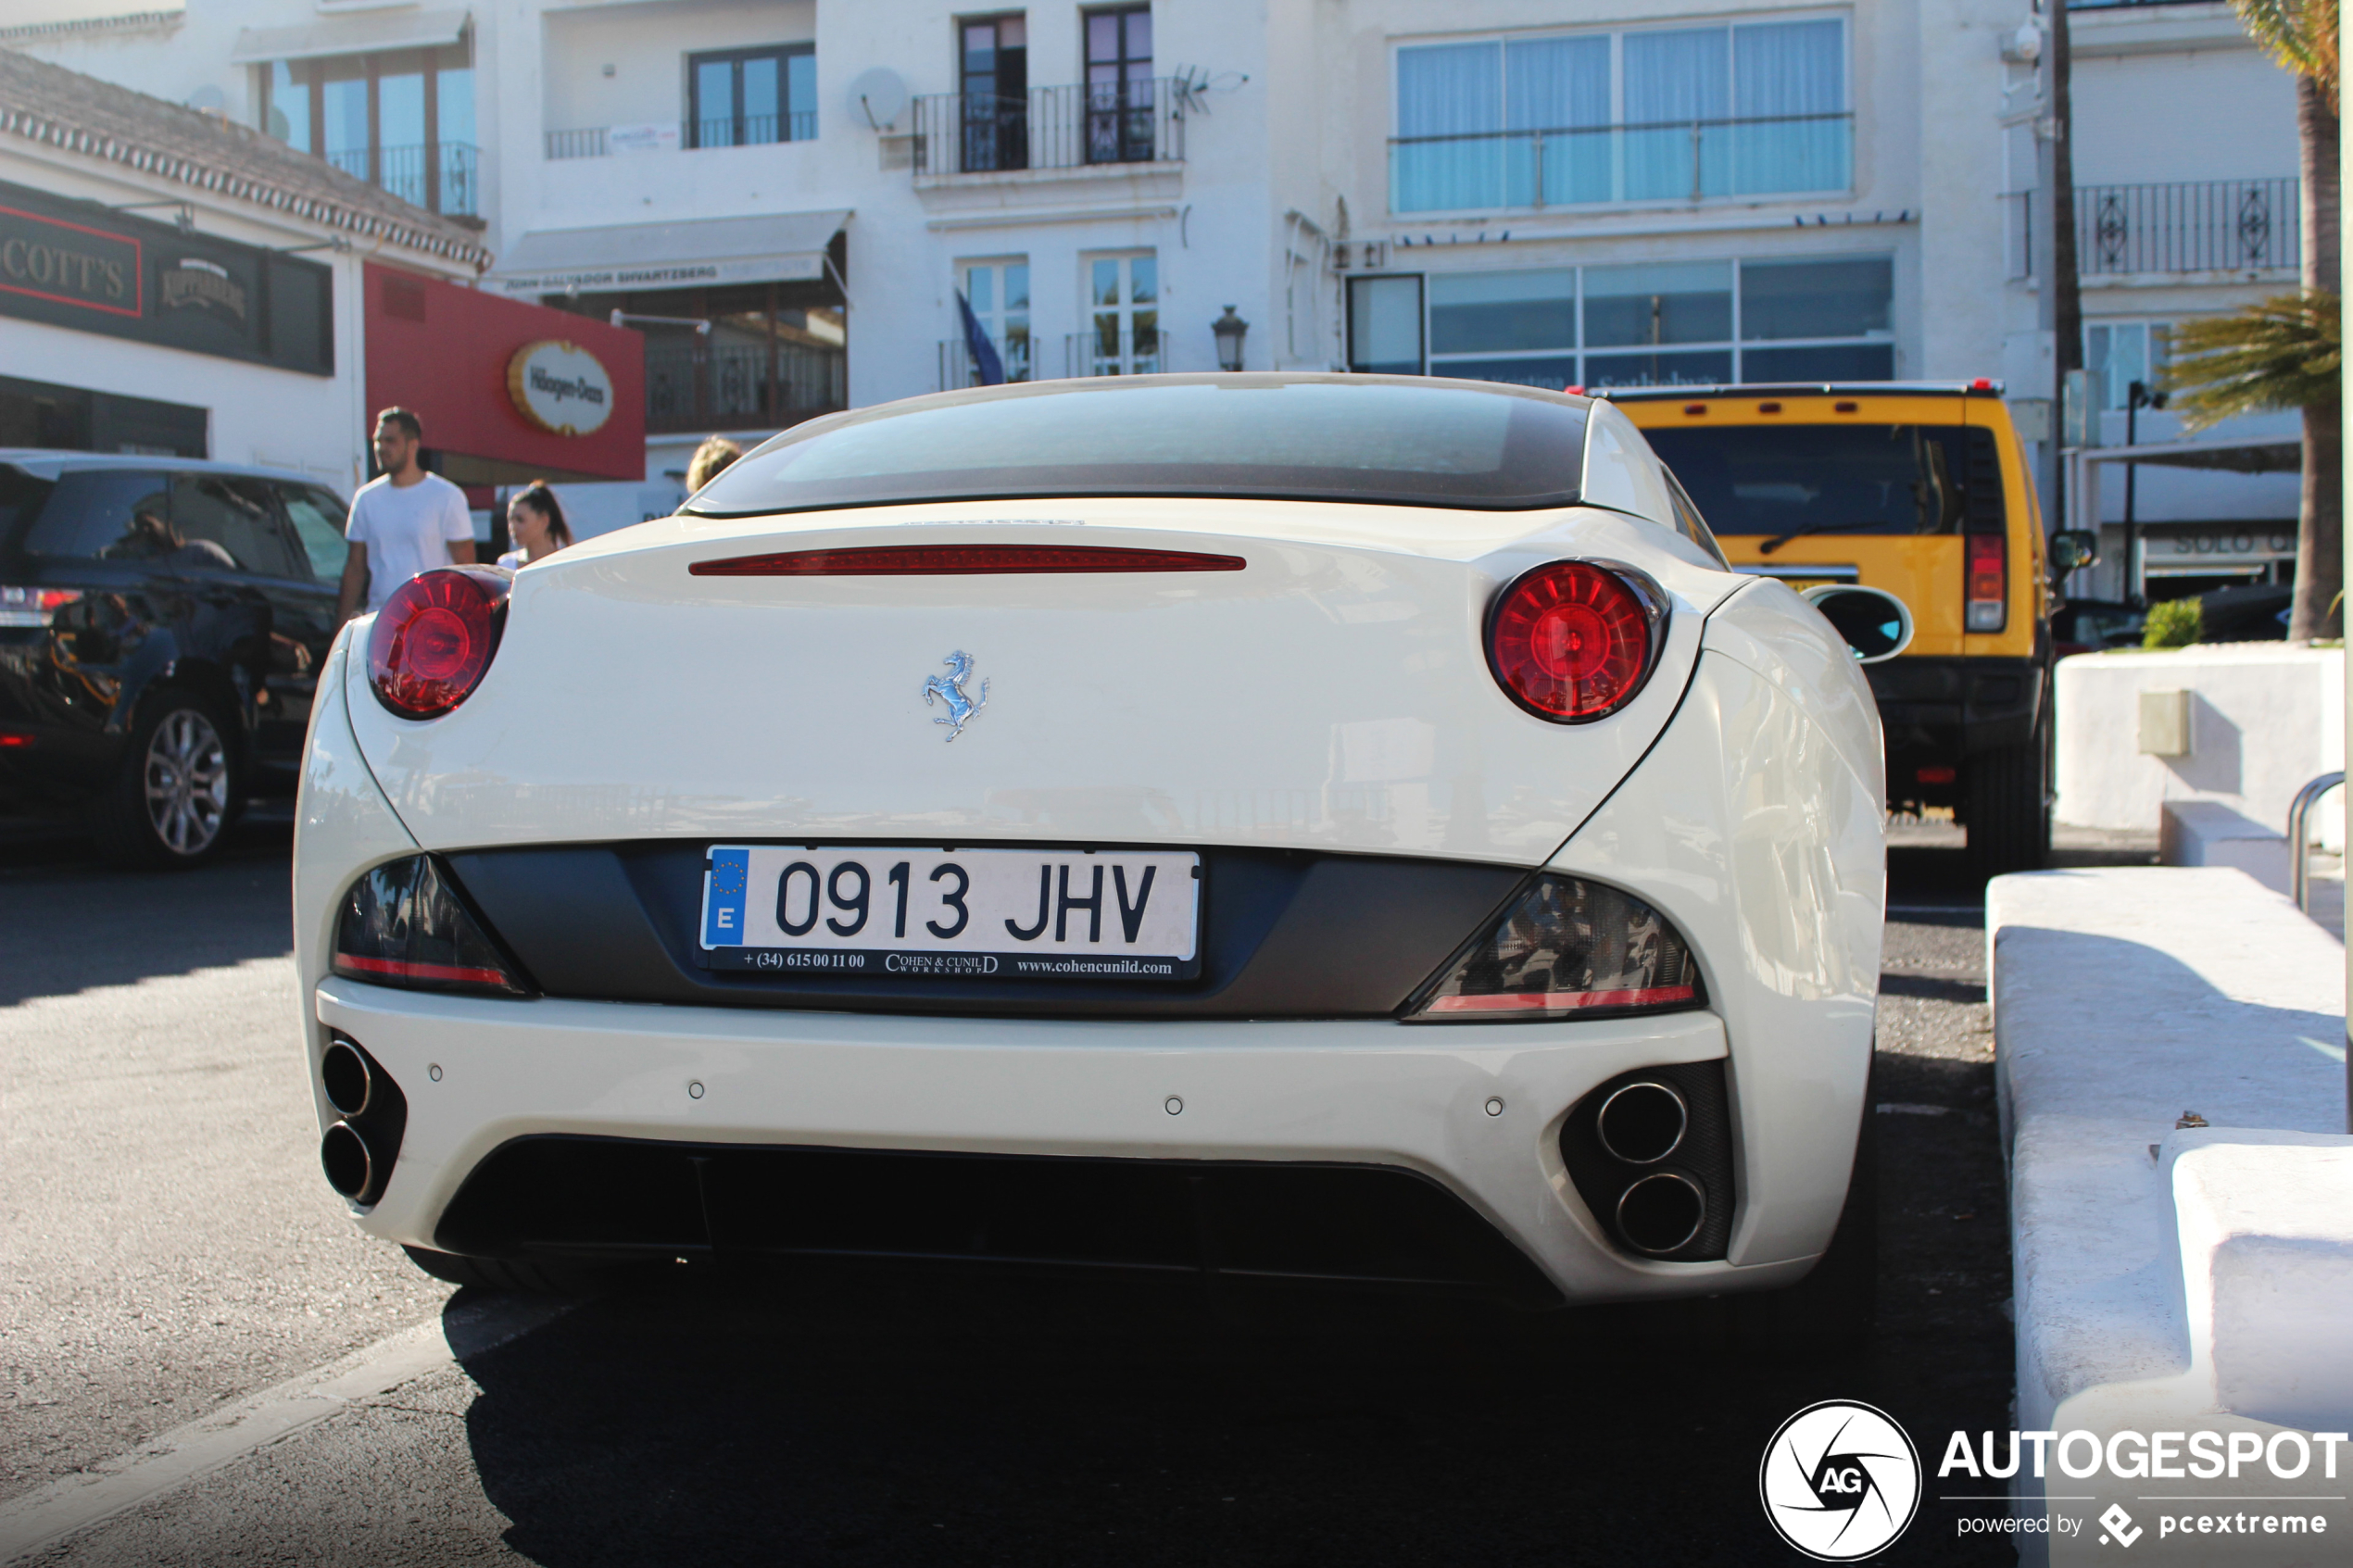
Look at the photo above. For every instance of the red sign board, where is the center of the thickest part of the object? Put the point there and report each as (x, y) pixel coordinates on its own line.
(457, 357)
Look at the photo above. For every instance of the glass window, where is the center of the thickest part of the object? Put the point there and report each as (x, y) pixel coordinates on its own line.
(1822, 362)
(344, 136)
(1703, 368)
(1119, 85)
(104, 514)
(224, 523)
(1326, 438)
(1385, 326)
(750, 97)
(1657, 302)
(2117, 354)
(1123, 304)
(1674, 83)
(999, 295)
(289, 114)
(400, 131)
(994, 76)
(318, 520)
(1846, 297)
(1789, 91)
(1486, 312)
(1825, 479)
(1684, 115)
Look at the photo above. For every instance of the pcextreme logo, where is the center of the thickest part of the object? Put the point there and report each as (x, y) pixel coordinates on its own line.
(1840, 1481)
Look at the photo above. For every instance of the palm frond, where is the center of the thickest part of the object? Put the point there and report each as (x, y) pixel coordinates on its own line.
(2285, 353)
(2299, 34)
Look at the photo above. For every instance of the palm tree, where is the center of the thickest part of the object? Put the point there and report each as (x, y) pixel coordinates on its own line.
(2285, 353)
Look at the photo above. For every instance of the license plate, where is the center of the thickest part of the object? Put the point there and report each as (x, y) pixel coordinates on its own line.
(1003, 914)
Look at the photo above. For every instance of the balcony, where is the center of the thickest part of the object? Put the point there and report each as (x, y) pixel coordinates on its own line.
(1077, 126)
(2192, 226)
(1084, 354)
(750, 130)
(439, 176)
(699, 386)
(1603, 164)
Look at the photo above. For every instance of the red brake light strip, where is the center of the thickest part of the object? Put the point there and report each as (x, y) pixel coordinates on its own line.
(1564, 1001)
(457, 973)
(963, 560)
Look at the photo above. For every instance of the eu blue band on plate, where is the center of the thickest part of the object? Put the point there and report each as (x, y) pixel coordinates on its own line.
(724, 909)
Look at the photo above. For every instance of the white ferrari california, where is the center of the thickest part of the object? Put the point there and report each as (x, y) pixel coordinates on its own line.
(1268, 827)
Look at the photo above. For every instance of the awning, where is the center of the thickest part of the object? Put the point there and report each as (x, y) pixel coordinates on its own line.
(2243, 454)
(779, 247)
(350, 35)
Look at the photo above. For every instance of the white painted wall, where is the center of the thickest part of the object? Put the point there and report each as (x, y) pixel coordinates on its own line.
(2122, 138)
(2265, 720)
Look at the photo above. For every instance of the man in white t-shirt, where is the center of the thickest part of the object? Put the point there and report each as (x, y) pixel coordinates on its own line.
(405, 523)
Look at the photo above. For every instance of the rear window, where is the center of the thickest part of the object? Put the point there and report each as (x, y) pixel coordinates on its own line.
(1791, 480)
(103, 514)
(21, 495)
(1338, 438)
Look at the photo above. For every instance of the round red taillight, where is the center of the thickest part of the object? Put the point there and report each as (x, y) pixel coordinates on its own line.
(1572, 641)
(434, 638)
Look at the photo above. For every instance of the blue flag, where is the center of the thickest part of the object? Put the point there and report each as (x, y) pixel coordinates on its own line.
(991, 369)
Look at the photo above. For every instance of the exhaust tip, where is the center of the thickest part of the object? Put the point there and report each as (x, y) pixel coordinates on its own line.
(345, 1155)
(345, 1075)
(1661, 1213)
(1644, 1122)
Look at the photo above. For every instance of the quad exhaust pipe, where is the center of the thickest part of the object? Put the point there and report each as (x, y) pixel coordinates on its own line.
(359, 1150)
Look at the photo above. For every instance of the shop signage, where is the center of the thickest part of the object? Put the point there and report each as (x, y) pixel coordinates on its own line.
(69, 263)
(86, 267)
(559, 387)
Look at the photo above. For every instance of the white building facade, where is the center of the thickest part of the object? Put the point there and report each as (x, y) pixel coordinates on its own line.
(797, 202)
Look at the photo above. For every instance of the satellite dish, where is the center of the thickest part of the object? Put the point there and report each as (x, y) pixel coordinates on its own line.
(208, 100)
(878, 98)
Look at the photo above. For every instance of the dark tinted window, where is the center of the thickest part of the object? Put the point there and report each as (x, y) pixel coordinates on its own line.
(1837, 479)
(1307, 438)
(229, 523)
(20, 500)
(111, 514)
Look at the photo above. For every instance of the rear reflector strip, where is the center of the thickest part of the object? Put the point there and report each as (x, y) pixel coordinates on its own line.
(1563, 1001)
(448, 975)
(963, 560)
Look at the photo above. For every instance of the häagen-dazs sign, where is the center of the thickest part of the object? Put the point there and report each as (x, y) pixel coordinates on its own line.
(559, 387)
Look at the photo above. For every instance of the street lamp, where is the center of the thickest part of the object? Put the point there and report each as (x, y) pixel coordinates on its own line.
(1230, 329)
(2137, 396)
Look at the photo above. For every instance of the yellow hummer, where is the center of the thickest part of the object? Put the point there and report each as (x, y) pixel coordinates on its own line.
(1921, 491)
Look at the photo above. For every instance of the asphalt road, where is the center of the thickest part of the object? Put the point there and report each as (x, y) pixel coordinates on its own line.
(174, 1278)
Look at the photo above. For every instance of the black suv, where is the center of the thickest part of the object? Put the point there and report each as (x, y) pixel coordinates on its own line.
(162, 625)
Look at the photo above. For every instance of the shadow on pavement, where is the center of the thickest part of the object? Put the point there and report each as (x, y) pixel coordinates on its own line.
(869, 1414)
(68, 922)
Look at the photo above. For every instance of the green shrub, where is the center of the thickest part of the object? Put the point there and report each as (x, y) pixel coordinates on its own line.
(2176, 623)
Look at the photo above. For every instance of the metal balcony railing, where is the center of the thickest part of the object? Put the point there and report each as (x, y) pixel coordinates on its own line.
(957, 371)
(1663, 160)
(747, 131)
(2192, 226)
(1052, 127)
(701, 385)
(439, 176)
(1105, 353)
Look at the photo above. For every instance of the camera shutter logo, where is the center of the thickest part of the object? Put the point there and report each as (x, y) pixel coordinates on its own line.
(1840, 1481)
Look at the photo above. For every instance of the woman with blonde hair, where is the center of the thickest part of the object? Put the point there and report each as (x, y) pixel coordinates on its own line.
(535, 522)
(709, 457)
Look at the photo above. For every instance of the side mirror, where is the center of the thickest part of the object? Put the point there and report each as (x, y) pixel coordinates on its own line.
(1876, 624)
(2072, 548)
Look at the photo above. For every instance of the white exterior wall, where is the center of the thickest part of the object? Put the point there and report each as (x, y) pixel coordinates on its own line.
(1292, 157)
